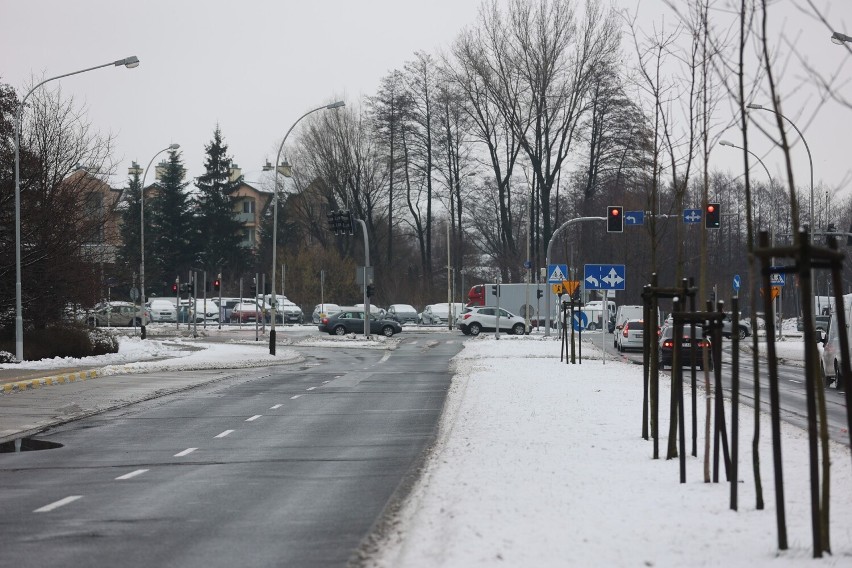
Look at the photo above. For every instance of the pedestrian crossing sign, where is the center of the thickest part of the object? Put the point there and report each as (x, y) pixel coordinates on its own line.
(557, 273)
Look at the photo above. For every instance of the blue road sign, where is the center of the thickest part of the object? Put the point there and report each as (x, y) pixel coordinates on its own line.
(528, 264)
(556, 273)
(603, 276)
(737, 282)
(580, 321)
(634, 217)
(692, 215)
(777, 279)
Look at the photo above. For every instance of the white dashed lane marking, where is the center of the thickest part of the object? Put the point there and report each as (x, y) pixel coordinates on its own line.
(385, 358)
(223, 434)
(57, 504)
(186, 452)
(276, 407)
(131, 475)
(253, 418)
(310, 388)
(295, 397)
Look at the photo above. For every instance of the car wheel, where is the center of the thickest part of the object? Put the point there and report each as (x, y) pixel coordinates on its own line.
(474, 329)
(387, 331)
(519, 329)
(743, 333)
(339, 330)
(591, 327)
(465, 331)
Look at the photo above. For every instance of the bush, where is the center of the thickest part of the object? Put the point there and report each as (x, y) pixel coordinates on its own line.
(62, 340)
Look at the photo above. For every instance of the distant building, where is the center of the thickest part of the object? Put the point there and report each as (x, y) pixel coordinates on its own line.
(249, 204)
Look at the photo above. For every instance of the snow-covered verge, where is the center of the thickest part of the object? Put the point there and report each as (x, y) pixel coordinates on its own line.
(540, 463)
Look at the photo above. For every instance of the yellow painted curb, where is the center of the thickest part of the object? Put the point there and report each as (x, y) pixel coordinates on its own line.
(8, 387)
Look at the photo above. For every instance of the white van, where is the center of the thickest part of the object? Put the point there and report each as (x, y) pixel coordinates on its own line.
(830, 359)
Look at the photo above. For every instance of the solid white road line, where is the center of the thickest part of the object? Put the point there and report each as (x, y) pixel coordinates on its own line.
(295, 397)
(253, 418)
(223, 434)
(57, 504)
(131, 475)
(276, 407)
(186, 452)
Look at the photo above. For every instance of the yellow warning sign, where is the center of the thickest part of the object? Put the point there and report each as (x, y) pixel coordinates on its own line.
(775, 291)
(571, 286)
(557, 289)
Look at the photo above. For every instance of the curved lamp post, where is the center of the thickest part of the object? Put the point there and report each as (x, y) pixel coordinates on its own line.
(755, 156)
(143, 334)
(130, 63)
(810, 160)
(286, 171)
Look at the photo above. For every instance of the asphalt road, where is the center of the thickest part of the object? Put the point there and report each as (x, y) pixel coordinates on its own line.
(290, 466)
(791, 388)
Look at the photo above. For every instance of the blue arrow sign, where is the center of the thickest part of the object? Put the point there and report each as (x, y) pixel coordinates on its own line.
(557, 273)
(634, 217)
(692, 215)
(580, 321)
(737, 282)
(777, 278)
(603, 276)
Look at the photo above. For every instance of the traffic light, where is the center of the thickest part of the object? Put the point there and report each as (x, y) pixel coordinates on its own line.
(712, 216)
(615, 219)
(174, 288)
(254, 286)
(217, 285)
(539, 294)
(494, 289)
(370, 290)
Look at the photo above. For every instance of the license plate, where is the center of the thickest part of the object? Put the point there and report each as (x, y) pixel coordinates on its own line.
(686, 344)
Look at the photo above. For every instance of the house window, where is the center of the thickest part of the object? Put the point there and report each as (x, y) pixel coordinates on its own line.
(248, 206)
(249, 239)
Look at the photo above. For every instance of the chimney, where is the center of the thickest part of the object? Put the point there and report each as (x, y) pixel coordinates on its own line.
(235, 173)
(160, 171)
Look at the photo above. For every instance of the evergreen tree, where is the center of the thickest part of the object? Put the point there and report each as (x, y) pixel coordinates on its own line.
(129, 255)
(217, 226)
(173, 241)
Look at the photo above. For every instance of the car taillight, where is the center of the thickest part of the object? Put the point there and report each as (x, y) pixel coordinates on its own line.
(702, 343)
(324, 321)
(668, 343)
(465, 316)
(624, 333)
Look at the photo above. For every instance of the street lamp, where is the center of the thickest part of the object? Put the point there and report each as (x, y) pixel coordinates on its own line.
(135, 169)
(283, 166)
(130, 63)
(756, 106)
(839, 38)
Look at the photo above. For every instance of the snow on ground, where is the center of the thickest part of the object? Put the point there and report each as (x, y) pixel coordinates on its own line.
(540, 463)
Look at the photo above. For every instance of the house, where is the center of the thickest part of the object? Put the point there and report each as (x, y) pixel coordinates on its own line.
(101, 214)
(249, 204)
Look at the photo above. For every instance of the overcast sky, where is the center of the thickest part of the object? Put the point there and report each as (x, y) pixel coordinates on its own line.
(255, 66)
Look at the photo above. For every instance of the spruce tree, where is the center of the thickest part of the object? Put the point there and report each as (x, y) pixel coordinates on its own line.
(217, 226)
(173, 241)
(129, 255)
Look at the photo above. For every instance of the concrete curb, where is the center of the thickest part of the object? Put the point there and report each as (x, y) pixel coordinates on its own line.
(32, 384)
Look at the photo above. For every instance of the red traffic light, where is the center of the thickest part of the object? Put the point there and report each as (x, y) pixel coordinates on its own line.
(711, 208)
(174, 288)
(615, 212)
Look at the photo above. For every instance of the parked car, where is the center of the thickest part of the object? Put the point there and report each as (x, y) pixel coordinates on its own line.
(118, 314)
(631, 335)
(285, 310)
(475, 320)
(247, 312)
(350, 319)
(743, 327)
(439, 314)
(199, 311)
(403, 313)
(666, 347)
(161, 311)
(322, 310)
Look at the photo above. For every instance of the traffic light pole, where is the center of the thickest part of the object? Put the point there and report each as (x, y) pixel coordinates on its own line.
(366, 272)
(555, 234)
